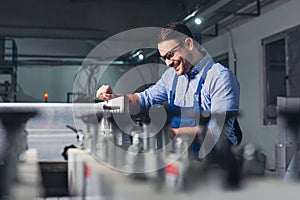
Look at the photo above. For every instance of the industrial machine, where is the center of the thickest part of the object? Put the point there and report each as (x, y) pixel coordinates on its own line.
(115, 155)
(135, 148)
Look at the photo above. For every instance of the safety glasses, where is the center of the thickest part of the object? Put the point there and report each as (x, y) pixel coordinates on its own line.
(170, 53)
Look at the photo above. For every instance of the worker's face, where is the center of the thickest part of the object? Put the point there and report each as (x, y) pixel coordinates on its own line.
(176, 55)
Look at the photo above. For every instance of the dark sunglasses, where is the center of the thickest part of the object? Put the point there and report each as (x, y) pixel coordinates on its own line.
(170, 53)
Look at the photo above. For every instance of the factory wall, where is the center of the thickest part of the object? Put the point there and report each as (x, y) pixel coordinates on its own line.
(247, 39)
(58, 81)
(34, 81)
(34, 77)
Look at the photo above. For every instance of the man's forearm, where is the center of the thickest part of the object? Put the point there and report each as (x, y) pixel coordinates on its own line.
(132, 103)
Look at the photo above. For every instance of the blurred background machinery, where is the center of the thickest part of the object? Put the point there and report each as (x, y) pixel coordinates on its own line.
(8, 70)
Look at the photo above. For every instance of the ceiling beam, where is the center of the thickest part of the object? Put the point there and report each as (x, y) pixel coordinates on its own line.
(56, 33)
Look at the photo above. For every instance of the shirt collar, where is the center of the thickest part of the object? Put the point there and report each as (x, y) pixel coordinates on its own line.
(203, 62)
(199, 66)
(192, 73)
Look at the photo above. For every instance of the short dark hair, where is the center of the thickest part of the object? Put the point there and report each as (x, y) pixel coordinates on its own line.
(174, 30)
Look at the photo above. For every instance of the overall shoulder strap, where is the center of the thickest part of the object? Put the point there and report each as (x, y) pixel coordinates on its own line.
(197, 95)
(172, 92)
(174, 84)
(201, 81)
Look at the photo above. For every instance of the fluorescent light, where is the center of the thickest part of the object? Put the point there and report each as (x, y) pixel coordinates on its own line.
(190, 15)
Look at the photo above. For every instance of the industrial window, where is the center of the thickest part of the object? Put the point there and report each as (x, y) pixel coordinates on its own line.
(281, 70)
(275, 71)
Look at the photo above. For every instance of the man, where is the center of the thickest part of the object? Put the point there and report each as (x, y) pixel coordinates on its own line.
(196, 83)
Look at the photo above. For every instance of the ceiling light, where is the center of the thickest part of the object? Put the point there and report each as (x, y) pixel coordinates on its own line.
(141, 56)
(198, 21)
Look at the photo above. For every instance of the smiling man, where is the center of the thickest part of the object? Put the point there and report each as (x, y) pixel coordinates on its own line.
(193, 82)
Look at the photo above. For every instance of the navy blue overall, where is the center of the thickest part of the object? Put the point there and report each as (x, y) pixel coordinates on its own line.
(178, 121)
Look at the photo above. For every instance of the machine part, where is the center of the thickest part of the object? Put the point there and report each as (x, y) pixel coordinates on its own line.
(101, 147)
(13, 121)
(283, 155)
(292, 172)
(145, 136)
(253, 161)
(177, 172)
(177, 164)
(178, 145)
(79, 136)
(131, 162)
(116, 105)
(65, 151)
(249, 152)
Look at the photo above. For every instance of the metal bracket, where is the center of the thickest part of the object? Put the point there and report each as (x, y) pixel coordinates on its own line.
(215, 34)
(254, 14)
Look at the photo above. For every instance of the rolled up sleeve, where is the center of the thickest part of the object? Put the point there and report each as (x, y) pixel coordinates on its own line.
(156, 94)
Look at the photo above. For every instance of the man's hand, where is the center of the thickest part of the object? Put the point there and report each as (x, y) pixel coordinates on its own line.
(131, 100)
(105, 93)
(184, 131)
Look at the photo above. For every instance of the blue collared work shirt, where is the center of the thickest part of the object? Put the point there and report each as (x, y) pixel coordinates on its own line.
(220, 92)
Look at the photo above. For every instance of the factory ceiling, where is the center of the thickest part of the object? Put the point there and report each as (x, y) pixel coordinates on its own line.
(97, 20)
(85, 19)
